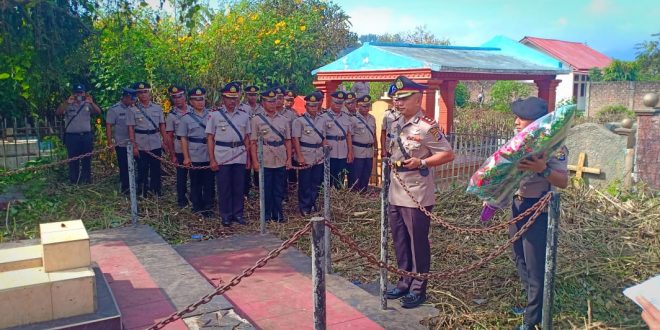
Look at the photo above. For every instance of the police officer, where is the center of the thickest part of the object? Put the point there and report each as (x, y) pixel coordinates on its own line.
(172, 121)
(228, 133)
(275, 130)
(417, 144)
(550, 171)
(116, 119)
(191, 130)
(308, 137)
(78, 139)
(145, 122)
(291, 115)
(338, 127)
(388, 118)
(364, 144)
(251, 107)
(350, 105)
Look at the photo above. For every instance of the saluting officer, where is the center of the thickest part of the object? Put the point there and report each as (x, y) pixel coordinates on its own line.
(192, 132)
(228, 133)
(338, 127)
(550, 172)
(116, 120)
(78, 139)
(417, 144)
(364, 144)
(275, 130)
(388, 118)
(179, 109)
(145, 122)
(308, 137)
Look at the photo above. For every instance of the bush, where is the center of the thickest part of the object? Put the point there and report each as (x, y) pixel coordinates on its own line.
(506, 91)
(461, 95)
(613, 113)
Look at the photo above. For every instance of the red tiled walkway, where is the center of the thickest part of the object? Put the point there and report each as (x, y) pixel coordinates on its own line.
(140, 300)
(276, 296)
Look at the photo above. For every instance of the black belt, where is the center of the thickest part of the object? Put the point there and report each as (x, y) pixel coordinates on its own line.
(400, 168)
(363, 145)
(274, 143)
(194, 139)
(335, 138)
(234, 144)
(310, 145)
(146, 131)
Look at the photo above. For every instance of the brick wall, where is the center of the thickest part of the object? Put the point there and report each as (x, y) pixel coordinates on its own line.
(626, 93)
(648, 148)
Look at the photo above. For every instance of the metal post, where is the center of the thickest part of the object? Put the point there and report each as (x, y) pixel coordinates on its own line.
(326, 208)
(385, 183)
(318, 273)
(262, 195)
(550, 261)
(131, 182)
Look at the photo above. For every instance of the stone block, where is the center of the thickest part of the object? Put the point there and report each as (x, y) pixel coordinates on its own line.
(72, 292)
(25, 297)
(65, 246)
(605, 150)
(20, 258)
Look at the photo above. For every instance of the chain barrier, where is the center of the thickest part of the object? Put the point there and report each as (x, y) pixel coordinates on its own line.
(235, 280)
(57, 163)
(540, 205)
(191, 167)
(372, 259)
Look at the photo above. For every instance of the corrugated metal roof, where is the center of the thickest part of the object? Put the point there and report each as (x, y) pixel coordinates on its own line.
(389, 56)
(578, 55)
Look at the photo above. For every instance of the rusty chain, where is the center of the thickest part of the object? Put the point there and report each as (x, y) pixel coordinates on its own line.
(372, 259)
(235, 280)
(541, 204)
(57, 163)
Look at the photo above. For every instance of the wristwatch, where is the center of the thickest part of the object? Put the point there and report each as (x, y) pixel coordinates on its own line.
(422, 164)
(546, 172)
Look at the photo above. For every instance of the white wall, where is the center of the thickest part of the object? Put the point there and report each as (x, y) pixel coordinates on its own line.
(565, 88)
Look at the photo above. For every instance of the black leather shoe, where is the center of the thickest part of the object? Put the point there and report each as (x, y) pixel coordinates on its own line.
(395, 293)
(226, 222)
(412, 300)
(239, 220)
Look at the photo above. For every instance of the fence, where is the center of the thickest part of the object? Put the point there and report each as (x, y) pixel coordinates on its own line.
(26, 139)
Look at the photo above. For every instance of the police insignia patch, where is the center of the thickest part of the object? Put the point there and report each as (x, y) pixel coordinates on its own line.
(435, 132)
(560, 155)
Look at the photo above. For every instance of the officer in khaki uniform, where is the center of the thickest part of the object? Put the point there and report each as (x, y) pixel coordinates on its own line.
(350, 105)
(251, 107)
(550, 172)
(338, 127)
(275, 130)
(228, 133)
(172, 121)
(388, 118)
(78, 137)
(417, 144)
(291, 115)
(308, 137)
(192, 132)
(364, 145)
(145, 123)
(115, 120)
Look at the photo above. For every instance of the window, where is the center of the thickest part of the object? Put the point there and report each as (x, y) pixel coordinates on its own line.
(583, 88)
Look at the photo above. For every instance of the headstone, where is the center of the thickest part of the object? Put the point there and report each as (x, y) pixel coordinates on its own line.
(605, 150)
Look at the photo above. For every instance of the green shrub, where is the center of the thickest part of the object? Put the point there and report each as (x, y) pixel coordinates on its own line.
(461, 95)
(613, 113)
(506, 91)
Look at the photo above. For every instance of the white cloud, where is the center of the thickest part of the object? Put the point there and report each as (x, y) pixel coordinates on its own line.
(562, 21)
(596, 7)
(379, 20)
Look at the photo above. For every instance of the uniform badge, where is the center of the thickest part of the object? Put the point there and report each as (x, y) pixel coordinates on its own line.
(560, 155)
(435, 132)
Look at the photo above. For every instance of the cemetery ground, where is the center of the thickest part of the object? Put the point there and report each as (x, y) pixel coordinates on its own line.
(608, 240)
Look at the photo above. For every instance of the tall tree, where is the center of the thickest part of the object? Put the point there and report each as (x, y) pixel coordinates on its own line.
(419, 35)
(648, 58)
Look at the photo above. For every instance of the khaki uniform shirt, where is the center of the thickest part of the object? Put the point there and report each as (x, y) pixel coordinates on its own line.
(245, 107)
(306, 133)
(116, 117)
(421, 138)
(274, 155)
(222, 131)
(536, 186)
(138, 119)
(388, 118)
(364, 132)
(339, 148)
(193, 126)
(172, 122)
(80, 123)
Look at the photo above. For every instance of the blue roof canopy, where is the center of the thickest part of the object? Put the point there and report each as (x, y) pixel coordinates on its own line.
(499, 55)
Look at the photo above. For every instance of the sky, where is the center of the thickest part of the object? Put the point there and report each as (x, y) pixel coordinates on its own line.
(612, 27)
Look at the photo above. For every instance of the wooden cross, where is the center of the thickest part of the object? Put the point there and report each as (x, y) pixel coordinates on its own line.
(580, 168)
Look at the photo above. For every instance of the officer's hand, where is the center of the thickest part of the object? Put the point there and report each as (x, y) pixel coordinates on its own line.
(650, 315)
(187, 162)
(383, 153)
(301, 160)
(71, 100)
(255, 167)
(349, 158)
(534, 163)
(412, 163)
(288, 165)
(136, 152)
(89, 99)
(214, 165)
(173, 158)
(110, 145)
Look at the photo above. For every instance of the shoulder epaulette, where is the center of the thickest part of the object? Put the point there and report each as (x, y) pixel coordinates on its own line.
(428, 120)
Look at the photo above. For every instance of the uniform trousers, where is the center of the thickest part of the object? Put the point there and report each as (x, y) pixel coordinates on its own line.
(149, 174)
(202, 190)
(529, 256)
(360, 173)
(309, 183)
(80, 171)
(410, 235)
(251, 180)
(122, 162)
(338, 167)
(274, 183)
(181, 182)
(230, 181)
